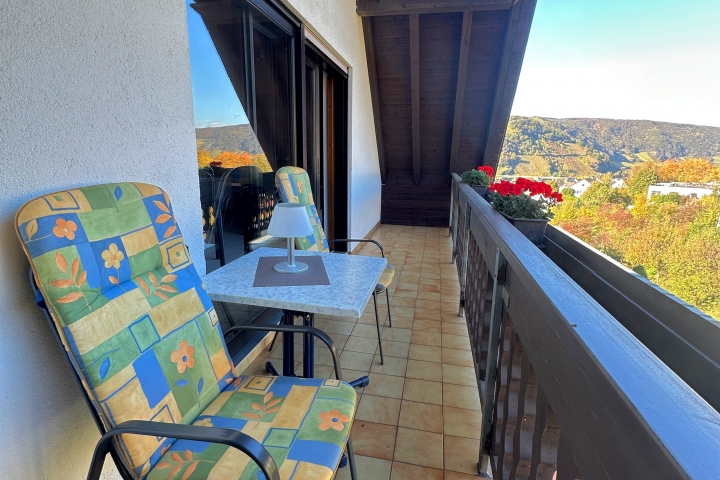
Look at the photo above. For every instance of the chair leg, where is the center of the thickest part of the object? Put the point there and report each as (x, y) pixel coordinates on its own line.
(274, 340)
(377, 322)
(387, 295)
(351, 460)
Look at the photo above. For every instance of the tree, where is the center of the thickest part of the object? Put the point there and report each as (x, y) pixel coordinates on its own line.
(204, 158)
(233, 159)
(641, 177)
(690, 170)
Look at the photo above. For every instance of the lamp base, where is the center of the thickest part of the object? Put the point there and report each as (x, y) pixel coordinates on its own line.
(284, 267)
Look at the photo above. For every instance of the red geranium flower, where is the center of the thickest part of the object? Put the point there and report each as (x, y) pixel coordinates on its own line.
(490, 171)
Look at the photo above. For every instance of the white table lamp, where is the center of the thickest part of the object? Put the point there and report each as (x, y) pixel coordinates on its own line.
(290, 220)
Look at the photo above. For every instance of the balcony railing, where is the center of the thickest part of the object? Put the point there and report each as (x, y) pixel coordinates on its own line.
(565, 388)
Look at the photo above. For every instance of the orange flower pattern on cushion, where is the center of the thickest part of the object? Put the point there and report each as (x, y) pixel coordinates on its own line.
(183, 356)
(65, 229)
(332, 419)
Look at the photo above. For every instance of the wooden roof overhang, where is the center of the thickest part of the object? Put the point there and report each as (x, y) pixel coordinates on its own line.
(443, 76)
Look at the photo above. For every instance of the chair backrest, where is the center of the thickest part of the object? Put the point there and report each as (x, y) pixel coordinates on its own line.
(129, 307)
(293, 184)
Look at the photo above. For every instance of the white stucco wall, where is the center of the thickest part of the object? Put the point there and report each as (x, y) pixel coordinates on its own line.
(90, 92)
(339, 25)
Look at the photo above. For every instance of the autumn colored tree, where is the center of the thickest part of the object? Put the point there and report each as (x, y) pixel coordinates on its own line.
(204, 158)
(674, 241)
(641, 177)
(690, 170)
(234, 159)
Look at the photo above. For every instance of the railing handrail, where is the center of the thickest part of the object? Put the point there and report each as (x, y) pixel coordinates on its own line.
(683, 337)
(617, 401)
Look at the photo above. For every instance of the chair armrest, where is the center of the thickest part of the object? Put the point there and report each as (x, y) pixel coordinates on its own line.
(366, 240)
(298, 329)
(226, 436)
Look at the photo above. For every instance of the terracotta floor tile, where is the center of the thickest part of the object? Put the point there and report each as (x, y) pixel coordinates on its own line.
(373, 439)
(455, 341)
(392, 366)
(396, 334)
(403, 302)
(427, 326)
(368, 468)
(367, 331)
(452, 317)
(428, 296)
(450, 297)
(378, 409)
(458, 375)
(361, 344)
(405, 293)
(455, 329)
(403, 311)
(425, 353)
(461, 396)
(395, 349)
(429, 288)
(433, 315)
(423, 391)
(424, 370)
(419, 448)
(333, 326)
(428, 304)
(426, 338)
(451, 356)
(408, 285)
(461, 422)
(421, 416)
(457, 476)
(401, 322)
(405, 471)
(356, 361)
(338, 339)
(385, 385)
(461, 454)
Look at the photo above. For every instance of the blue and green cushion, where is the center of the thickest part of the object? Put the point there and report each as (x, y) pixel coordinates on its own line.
(136, 322)
(304, 425)
(293, 184)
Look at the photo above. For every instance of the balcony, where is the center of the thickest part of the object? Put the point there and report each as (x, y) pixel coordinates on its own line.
(536, 380)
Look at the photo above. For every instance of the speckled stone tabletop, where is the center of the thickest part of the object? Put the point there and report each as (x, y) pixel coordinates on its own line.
(352, 281)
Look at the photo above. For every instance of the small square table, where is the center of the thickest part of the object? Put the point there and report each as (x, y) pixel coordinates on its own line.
(353, 279)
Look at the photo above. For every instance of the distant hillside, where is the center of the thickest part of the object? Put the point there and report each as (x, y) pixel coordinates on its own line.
(233, 138)
(584, 147)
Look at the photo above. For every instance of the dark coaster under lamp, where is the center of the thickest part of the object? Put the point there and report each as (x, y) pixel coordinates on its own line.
(290, 220)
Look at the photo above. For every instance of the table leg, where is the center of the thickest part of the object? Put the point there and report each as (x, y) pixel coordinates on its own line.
(309, 348)
(288, 346)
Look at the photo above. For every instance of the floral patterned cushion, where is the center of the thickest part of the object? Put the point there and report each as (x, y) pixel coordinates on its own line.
(293, 184)
(304, 424)
(129, 307)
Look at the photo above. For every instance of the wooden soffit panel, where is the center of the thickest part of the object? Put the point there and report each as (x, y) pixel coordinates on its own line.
(369, 8)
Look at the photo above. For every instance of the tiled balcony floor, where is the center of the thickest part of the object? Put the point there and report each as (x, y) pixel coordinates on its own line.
(420, 416)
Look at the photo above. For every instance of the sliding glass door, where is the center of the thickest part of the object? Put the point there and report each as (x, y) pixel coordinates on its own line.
(263, 100)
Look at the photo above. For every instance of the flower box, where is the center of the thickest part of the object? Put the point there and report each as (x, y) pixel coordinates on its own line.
(532, 228)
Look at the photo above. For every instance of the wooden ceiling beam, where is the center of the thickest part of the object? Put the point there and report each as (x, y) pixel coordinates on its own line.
(374, 93)
(460, 88)
(516, 38)
(369, 8)
(415, 93)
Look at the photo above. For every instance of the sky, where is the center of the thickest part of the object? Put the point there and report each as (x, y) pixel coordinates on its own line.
(216, 103)
(628, 59)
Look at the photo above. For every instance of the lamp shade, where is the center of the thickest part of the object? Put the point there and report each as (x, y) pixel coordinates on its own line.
(290, 220)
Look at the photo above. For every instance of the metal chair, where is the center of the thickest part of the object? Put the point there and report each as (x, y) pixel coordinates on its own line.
(293, 185)
(128, 307)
